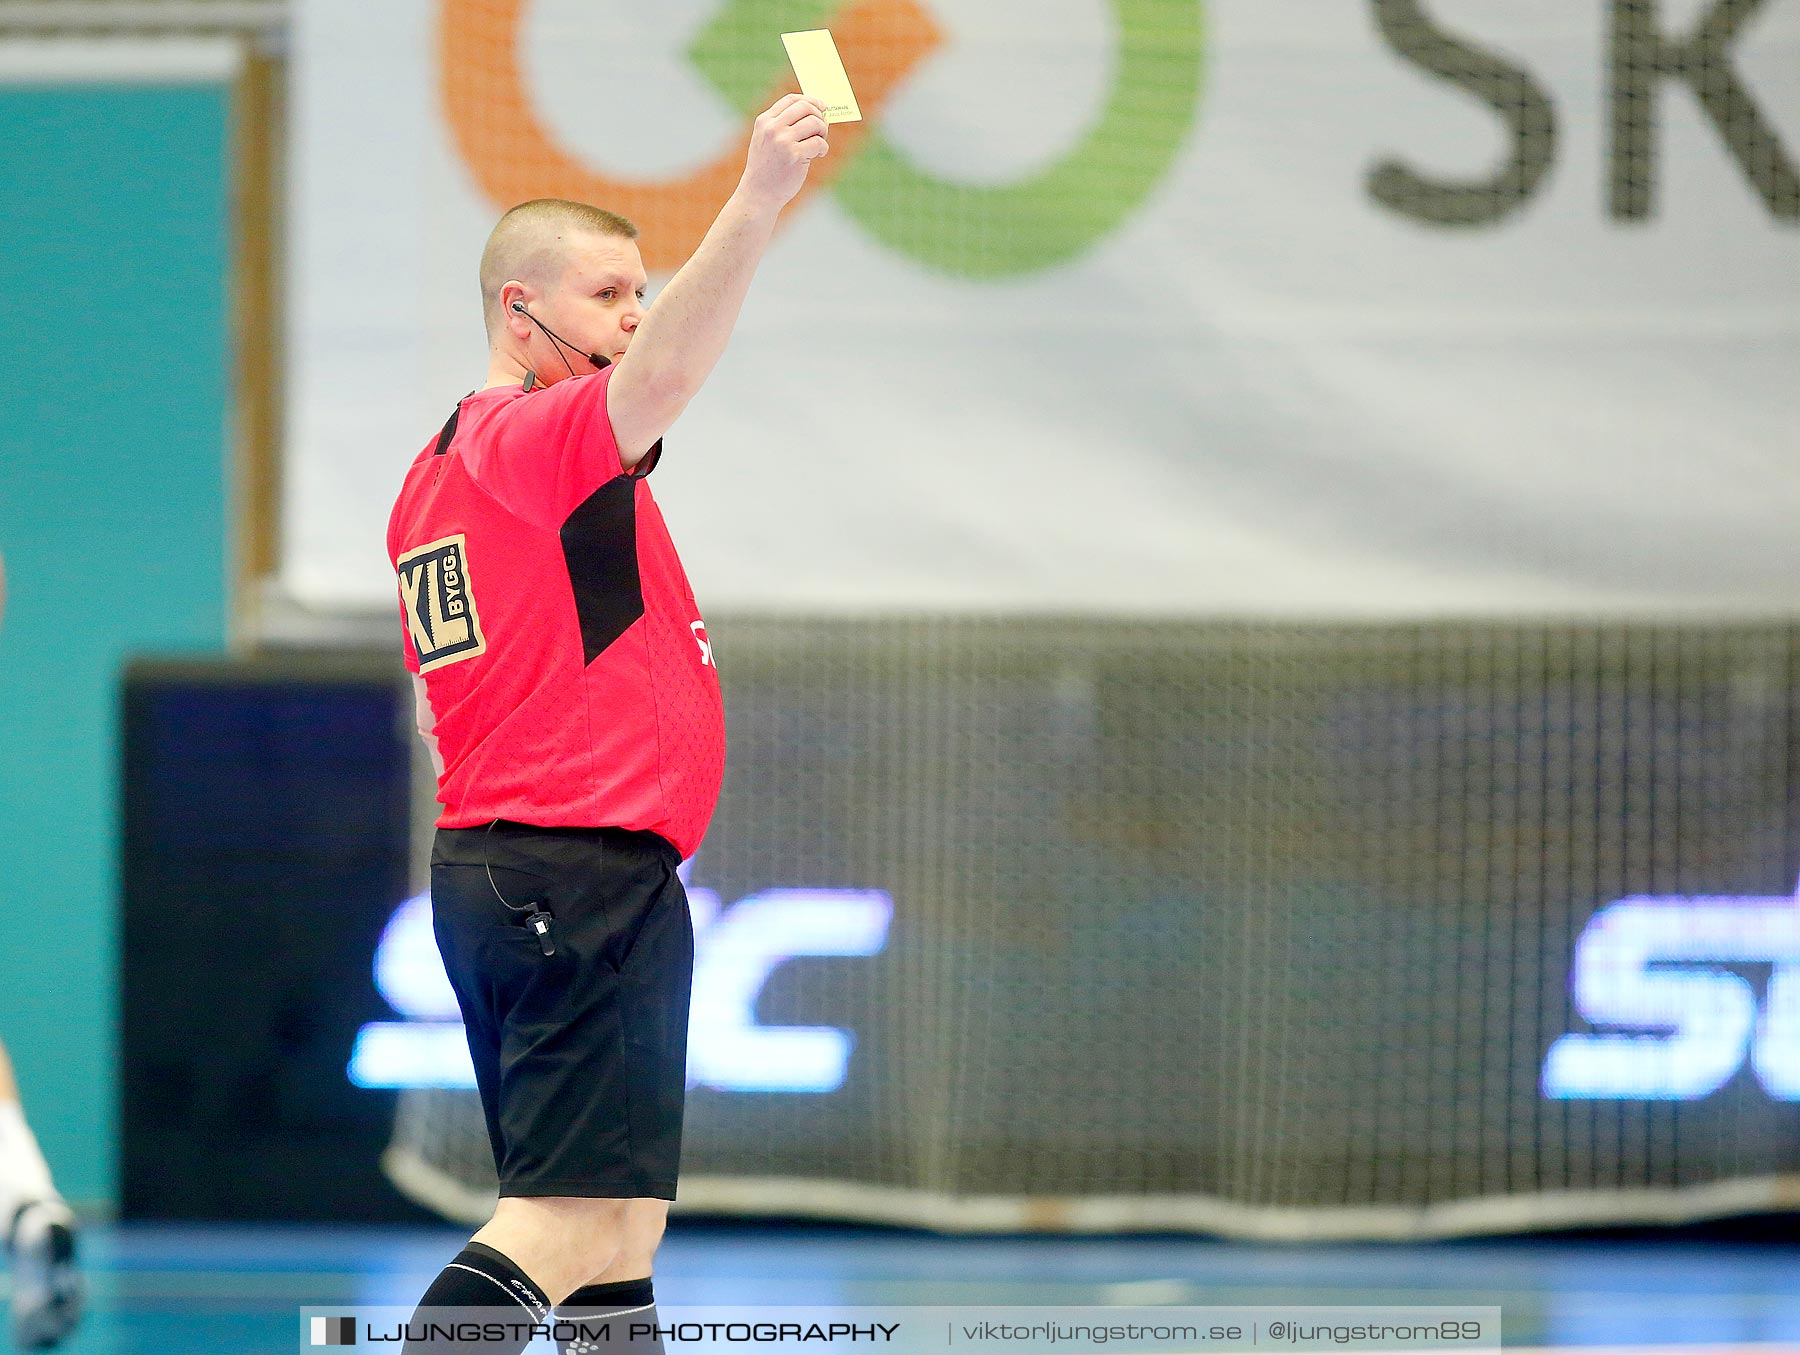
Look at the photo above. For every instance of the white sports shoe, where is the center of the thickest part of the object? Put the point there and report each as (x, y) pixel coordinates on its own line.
(47, 1291)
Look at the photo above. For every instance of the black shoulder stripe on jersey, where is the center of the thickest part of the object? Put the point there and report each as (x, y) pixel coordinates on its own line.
(599, 542)
(444, 438)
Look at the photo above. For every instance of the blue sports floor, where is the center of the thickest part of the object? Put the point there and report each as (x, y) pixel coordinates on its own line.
(238, 1290)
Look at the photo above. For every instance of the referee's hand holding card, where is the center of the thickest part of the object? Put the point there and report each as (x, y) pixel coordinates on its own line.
(783, 144)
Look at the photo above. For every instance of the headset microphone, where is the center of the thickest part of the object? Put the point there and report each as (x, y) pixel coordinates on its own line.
(549, 333)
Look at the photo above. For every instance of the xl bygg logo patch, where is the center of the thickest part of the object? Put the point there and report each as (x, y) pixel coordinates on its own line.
(439, 604)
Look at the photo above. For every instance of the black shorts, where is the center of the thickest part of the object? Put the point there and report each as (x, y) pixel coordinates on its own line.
(580, 1056)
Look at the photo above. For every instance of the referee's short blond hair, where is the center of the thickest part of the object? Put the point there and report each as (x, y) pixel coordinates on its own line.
(528, 243)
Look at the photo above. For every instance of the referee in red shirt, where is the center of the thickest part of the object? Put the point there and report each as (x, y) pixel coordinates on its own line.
(567, 691)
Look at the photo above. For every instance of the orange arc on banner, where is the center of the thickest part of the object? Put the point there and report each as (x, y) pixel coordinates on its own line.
(514, 157)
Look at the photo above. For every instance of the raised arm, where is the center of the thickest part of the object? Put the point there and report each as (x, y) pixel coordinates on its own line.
(684, 333)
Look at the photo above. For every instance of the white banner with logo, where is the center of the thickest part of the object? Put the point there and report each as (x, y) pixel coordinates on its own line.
(1379, 307)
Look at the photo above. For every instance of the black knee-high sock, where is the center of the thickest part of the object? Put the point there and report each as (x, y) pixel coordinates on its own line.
(483, 1278)
(618, 1307)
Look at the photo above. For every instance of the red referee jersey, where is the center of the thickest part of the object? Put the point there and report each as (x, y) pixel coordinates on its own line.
(568, 671)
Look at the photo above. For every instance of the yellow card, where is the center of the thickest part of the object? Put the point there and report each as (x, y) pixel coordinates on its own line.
(821, 72)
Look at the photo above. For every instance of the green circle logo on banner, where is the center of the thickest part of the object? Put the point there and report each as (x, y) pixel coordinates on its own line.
(964, 229)
(996, 231)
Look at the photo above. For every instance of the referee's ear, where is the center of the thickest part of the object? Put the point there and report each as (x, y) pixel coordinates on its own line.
(513, 298)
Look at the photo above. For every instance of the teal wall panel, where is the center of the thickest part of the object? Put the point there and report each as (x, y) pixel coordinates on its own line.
(114, 240)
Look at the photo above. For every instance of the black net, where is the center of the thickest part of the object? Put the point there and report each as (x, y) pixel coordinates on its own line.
(1257, 929)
